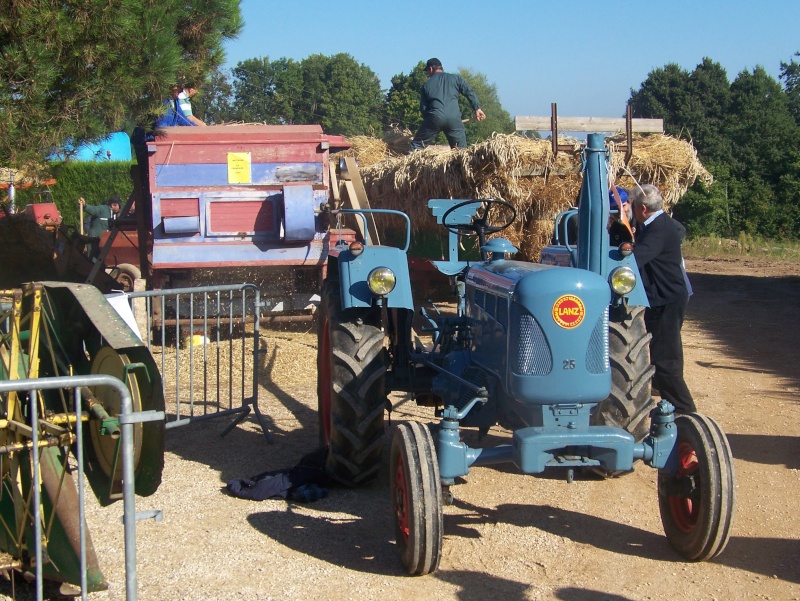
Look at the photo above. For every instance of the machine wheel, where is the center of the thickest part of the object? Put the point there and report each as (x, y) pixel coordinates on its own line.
(109, 362)
(105, 462)
(416, 498)
(697, 503)
(126, 274)
(629, 404)
(352, 363)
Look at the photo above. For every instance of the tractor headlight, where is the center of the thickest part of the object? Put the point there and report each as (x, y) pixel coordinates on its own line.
(622, 280)
(381, 281)
(356, 248)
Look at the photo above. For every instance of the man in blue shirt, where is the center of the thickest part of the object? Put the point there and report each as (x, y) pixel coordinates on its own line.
(440, 110)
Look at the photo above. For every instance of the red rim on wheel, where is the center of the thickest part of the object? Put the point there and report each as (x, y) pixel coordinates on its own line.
(684, 510)
(401, 499)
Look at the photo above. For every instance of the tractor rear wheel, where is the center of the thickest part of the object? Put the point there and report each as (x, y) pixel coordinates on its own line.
(697, 503)
(629, 404)
(416, 495)
(351, 364)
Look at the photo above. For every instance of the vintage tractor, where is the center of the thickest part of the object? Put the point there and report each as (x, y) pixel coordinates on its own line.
(557, 354)
(52, 329)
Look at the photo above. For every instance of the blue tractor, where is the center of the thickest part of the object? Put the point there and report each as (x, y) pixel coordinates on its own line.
(558, 355)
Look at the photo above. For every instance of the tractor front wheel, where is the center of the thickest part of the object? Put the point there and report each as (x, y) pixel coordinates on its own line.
(351, 363)
(697, 502)
(416, 495)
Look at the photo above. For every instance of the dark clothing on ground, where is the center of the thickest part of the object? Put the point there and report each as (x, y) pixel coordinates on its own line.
(304, 483)
(440, 110)
(658, 256)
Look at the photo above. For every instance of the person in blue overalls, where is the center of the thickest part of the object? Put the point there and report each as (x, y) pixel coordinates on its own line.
(440, 110)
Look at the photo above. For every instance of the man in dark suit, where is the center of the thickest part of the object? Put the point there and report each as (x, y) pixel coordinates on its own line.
(658, 255)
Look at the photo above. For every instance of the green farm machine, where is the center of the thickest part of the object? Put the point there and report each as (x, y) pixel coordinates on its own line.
(52, 330)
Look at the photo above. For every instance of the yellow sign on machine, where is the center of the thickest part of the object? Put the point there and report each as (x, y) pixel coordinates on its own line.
(239, 168)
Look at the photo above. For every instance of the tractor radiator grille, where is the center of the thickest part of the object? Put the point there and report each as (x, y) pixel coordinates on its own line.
(530, 352)
(597, 353)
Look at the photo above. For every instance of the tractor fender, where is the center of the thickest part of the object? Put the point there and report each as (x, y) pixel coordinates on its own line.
(354, 271)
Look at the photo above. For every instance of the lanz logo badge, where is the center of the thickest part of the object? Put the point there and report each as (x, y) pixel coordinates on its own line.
(568, 311)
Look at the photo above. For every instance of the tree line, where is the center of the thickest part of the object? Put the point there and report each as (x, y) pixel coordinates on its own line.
(338, 93)
(746, 133)
(74, 71)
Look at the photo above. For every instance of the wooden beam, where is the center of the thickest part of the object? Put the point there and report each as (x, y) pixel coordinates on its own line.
(334, 184)
(352, 196)
(592, 124)
(357, 194)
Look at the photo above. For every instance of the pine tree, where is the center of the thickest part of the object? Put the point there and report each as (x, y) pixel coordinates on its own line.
(78, 70)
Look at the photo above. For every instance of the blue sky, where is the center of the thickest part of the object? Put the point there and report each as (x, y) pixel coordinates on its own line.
(584, 55)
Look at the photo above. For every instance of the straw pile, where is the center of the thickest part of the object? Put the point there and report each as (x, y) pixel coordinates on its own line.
(521, 171)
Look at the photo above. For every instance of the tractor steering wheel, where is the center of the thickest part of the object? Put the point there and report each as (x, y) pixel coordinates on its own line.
(480, 224)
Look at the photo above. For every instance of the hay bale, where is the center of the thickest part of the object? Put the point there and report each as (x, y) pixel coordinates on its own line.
(524, 172)
(367, 150)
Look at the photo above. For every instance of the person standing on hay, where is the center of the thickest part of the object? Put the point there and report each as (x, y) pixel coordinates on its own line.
(658, 255)
(440, 110)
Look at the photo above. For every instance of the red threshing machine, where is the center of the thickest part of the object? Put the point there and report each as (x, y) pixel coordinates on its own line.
(228, 203)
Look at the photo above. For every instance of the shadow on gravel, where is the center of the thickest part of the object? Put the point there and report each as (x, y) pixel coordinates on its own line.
(767, 449)
(202, 441)
(585, 594)
(361, 543)
(752, 317)
(771, 557)
(355, 541)
(479, 586)
(578, 527)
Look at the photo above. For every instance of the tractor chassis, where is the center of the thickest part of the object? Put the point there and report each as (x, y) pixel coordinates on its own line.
(566, 440)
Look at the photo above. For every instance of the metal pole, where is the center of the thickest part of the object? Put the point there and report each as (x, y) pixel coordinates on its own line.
(12, 194)
(37, 494)
(128, 492)
(81, 497)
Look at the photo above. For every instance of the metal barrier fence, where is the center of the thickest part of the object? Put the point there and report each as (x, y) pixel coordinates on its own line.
(215, 328)
(127, 419)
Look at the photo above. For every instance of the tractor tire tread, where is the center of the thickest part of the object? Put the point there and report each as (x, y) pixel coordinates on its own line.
(358, 364)
(629, 404)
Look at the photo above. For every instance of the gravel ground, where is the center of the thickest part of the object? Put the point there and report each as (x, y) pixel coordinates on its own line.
(508, 536)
